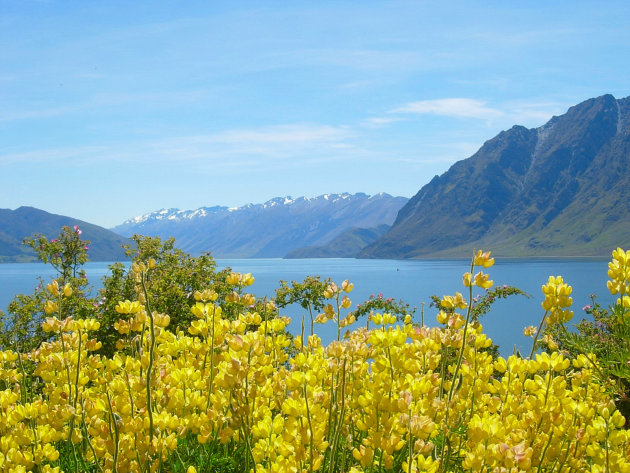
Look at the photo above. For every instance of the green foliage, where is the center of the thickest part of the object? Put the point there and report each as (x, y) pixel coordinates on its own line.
(606, 335)
(21, 326)
(309, 294)
(66, 253)
(207, 458)
(379, 304)
(481, 306)
(482, 303)
(173, 283)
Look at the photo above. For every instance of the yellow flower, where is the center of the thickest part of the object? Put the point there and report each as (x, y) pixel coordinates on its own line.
(330, 290)
(529, 331)
(454, 302)
(51, 324)
(557, 300)
(233, 279)
(481, 280)
(53, 288)
(483, 259)
(206, 295)
(128, 307)
(619, 274)
(50, 307)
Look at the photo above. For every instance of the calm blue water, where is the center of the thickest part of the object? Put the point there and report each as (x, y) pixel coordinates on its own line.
(412, 281)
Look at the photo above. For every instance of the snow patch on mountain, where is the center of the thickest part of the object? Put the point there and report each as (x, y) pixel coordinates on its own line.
(175, 214)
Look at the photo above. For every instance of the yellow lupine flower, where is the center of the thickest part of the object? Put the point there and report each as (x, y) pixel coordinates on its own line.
(128, 307)
(53, 287)
(50, 307)
(365, 398)
(483, 259)
(481, 280)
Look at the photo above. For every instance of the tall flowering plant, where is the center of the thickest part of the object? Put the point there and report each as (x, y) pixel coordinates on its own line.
(605, 334)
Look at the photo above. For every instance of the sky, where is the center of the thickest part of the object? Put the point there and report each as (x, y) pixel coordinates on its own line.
(113, 109)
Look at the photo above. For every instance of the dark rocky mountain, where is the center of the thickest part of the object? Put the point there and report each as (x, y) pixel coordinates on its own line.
(346, 245)
(15, 225)
(269, 230)
(561, 189)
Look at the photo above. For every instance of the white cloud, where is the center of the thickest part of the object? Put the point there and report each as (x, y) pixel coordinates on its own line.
(281, 135)
(239, 146)
(380, 121)
(97, 102)
(534, 113)
(453, 107)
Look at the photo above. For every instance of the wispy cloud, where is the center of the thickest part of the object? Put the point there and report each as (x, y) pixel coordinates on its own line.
(281, 134)
(528, 113)
(240, 146)
(375, 122)
(536, 113)
(98, 102)
(452, 107)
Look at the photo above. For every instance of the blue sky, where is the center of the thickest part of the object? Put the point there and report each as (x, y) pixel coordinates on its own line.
(112, 109)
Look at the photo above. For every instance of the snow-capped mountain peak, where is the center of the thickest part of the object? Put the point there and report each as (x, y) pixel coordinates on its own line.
(269, 229)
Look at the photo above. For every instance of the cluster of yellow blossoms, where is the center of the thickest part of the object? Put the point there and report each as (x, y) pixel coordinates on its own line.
(619, 274)
(390, 396)
(557, 300)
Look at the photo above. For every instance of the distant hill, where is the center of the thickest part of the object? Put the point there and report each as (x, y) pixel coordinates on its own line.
(346, 245)
(269, 230)
(15, 225)
(561, 189)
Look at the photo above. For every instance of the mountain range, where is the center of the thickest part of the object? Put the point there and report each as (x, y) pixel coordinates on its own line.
(345, 245)
(15, 225)
(560, 189)
(269, 230)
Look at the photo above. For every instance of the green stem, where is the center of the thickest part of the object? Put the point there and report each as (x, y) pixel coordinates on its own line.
(537, 334)
(310, 426)
(211, 378)
(451, 390)
(87, 438)
(337, 433)
(116, 434)
(582, 352)
(150, 367)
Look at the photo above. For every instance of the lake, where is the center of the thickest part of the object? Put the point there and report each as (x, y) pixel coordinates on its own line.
(413, 281)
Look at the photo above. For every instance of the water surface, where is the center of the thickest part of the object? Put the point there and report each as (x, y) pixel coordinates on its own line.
(412, 281)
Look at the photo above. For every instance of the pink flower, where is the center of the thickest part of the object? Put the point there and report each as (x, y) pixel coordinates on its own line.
(586, 307)
(77, 231)
(86, 247)
(54, 240)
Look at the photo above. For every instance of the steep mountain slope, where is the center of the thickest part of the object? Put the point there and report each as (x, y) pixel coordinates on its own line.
(346, 245)
(561, 189)
(15, 225)
(268, 230)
